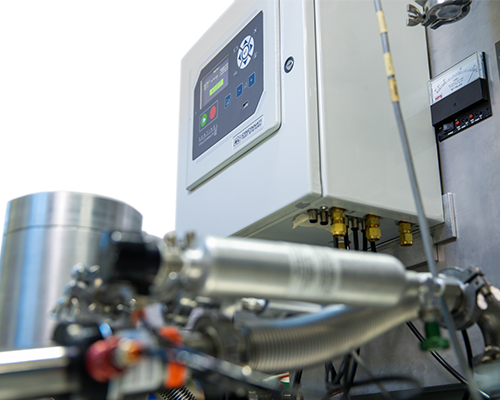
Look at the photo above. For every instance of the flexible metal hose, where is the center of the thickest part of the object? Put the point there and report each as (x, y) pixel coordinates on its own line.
(182, 393)
(301, 342)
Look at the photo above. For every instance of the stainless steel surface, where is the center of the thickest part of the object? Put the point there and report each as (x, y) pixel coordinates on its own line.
(447, 231)
(33, 359)
(469, 160)
(470, 169)
(36, 372)
(70, 209)
(293, 307)
(45, 235)
(413, 257)
(239, 268)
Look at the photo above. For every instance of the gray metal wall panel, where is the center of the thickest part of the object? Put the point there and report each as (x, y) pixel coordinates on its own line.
(470, 160)
(470, 168)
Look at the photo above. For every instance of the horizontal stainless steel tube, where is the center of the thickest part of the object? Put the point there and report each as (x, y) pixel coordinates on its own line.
(234, 267)
(35, 373)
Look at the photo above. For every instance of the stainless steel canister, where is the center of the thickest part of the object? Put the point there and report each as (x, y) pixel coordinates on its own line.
(45, 235)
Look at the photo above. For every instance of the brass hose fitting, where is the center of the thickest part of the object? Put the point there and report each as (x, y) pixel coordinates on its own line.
(338, 228)
(373, 232)
(405, 237)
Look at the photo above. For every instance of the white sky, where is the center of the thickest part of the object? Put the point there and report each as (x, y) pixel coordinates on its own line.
(89, 98)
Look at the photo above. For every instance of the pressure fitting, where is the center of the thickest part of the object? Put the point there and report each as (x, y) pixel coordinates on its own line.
(323, 216)
(405, 235)
(373, 232)
(339, 228)
(313, 216)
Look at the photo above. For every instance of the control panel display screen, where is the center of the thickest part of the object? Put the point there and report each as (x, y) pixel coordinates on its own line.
(229, 88)
(215, 82)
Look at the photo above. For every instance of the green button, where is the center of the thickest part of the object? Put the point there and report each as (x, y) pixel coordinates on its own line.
(204, 119)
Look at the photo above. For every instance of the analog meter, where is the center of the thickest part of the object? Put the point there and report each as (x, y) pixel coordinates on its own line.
(459, 96)
(458, 76)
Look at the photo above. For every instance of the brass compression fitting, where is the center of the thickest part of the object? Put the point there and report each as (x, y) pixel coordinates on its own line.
(405, 234)
(338, 228)
(373, 232)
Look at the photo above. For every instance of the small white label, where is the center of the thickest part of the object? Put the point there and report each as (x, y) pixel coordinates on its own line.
(247, 132)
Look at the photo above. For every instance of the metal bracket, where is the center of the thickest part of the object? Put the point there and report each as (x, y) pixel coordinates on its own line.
(437, 12)
(446, 232)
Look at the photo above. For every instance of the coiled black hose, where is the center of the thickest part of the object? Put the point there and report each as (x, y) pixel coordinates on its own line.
(301, 342)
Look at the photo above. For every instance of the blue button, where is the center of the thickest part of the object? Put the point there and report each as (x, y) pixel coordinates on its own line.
(239, 90)
(227, 100)
(251, 80)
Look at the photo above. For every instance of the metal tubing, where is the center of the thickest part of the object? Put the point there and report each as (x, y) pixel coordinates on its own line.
(235, 267)
(36, 373)
(424, 228)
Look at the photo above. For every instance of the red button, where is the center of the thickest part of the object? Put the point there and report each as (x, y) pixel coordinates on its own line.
(471, 116)
(213, 112)
(457, 123)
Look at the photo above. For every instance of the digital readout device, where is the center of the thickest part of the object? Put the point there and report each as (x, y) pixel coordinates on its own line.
(229, 88)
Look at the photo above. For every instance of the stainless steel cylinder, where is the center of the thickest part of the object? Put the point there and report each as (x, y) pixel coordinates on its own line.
(235, 267)
(37, 372)
(45, 235)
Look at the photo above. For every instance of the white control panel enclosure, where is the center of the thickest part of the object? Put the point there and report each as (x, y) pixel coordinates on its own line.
(335, 143)
(266, 118)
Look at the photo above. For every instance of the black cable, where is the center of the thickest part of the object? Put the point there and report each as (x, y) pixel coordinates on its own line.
(468, 349)
(342, 369)
(349, 378)
(355, 238)
(373, 247)
(330, 373)
(354, 368)
(347, 242)
(437, 356)
(470, 359)
(365, 240)
(296, 379)
(381, 379)
(335, 242)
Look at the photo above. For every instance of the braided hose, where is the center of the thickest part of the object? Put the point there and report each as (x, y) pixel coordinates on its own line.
(301, 342)
(182, 393)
